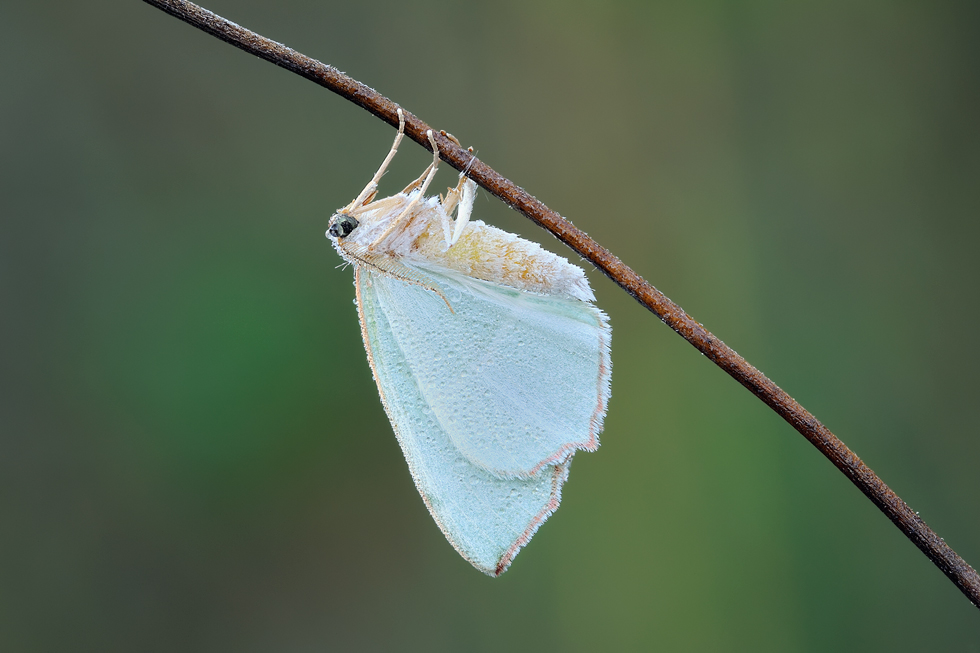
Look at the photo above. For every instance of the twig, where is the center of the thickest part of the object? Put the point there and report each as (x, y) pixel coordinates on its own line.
(951, 564)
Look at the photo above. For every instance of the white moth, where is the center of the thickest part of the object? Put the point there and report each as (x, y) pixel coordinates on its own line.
(491, 360)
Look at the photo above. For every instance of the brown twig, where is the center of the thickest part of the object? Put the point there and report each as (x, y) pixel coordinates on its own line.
(962, 574)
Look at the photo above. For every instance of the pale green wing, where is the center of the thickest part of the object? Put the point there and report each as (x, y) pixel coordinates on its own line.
(515, 379)
(487, 518)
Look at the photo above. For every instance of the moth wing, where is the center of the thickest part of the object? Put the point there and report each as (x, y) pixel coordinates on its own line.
(487, 518)
(517, 380)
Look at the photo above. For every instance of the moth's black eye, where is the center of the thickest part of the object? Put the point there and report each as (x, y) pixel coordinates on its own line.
(342, 225)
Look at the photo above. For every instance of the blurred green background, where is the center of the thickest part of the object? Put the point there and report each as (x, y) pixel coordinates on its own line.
(193, 454)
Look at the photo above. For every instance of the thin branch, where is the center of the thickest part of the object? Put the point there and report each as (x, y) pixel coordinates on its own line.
(951, 564)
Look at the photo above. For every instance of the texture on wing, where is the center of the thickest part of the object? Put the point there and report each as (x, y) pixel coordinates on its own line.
(485, 517)
(517, 381)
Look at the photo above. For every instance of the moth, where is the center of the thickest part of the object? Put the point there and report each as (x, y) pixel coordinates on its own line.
(491, 359)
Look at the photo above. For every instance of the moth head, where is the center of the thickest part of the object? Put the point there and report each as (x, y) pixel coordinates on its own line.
(341, 225)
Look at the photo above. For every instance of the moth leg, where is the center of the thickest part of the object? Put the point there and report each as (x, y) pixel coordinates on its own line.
(415, 184)
(425, 173)
(433, 167)
(372, 188)
(448, 206)
(466, 199)
(452, 197)
(462, 197)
